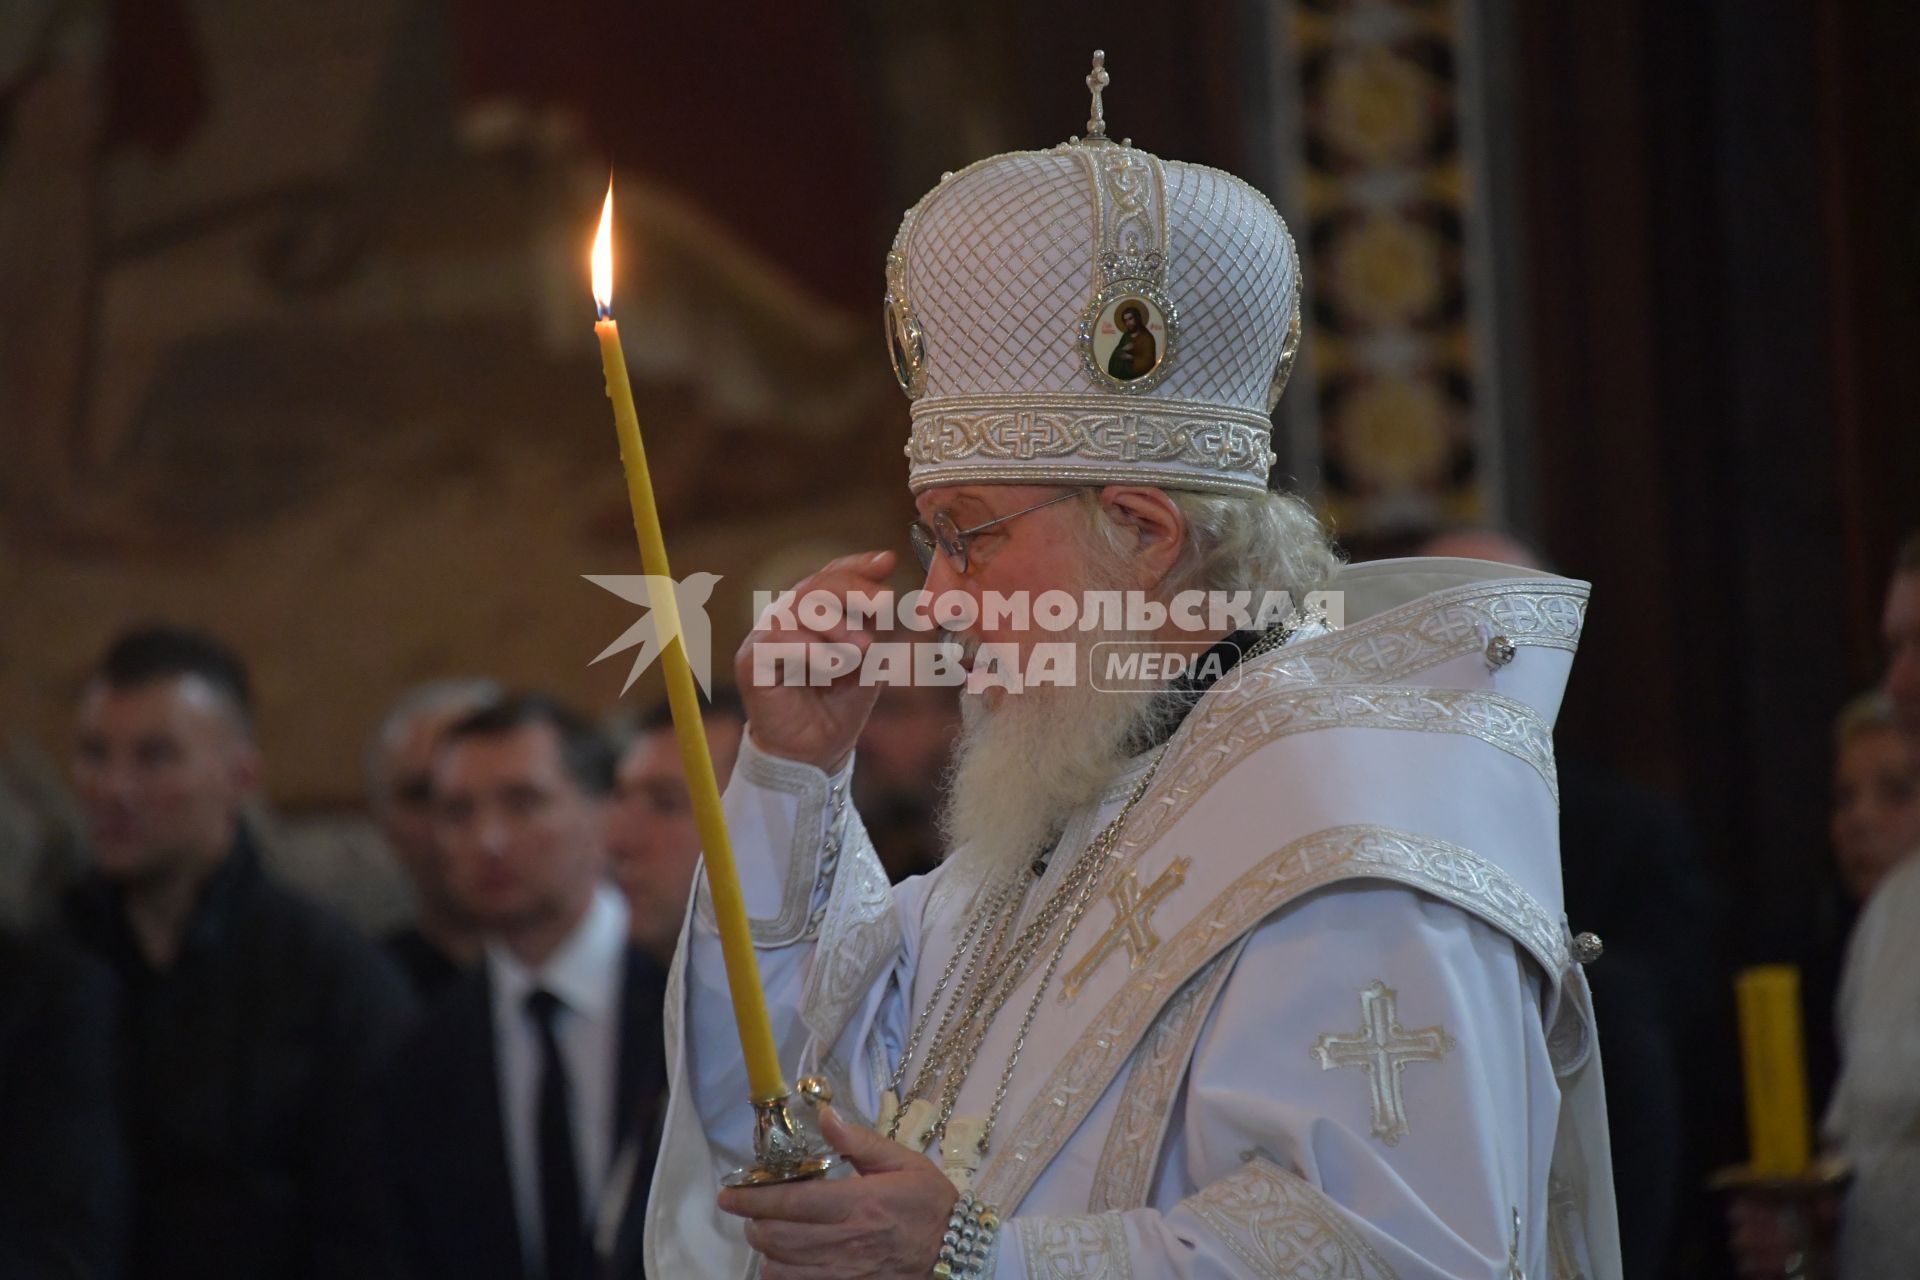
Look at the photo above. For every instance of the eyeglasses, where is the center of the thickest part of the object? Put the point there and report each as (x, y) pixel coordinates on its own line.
(942, 536)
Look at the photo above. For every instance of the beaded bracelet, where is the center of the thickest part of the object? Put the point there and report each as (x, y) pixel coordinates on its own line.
(969, 1238)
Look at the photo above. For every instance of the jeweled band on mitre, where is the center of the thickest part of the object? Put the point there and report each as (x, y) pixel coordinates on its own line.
(1088, 440)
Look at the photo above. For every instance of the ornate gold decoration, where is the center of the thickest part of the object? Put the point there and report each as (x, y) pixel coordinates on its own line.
(1132, 925)
(906, 340)
(785, 1148)
(1121, 1178)
(1382, 1050)
(859, 934)
(960, 1150)
(1289, 353)
(1401, 428)
(1445, 871)
(1265, 708)
(810, 859)
(1285, 1229)
(1564, 1226)
(995, 968)
(1391, 646)
(1092, 1248)
(1097, 80)
(1007, 439)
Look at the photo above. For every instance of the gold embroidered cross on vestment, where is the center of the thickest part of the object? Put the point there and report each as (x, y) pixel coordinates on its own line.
(1132, 924)
(1381, 1049)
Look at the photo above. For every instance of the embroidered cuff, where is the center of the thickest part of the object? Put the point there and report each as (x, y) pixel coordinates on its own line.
(788, 823)
(1282, 1227)
(1040, 1248)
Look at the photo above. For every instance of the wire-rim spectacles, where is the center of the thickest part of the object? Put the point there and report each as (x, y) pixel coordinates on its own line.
(942, 536)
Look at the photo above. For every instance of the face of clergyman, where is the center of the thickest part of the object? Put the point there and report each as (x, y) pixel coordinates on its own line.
(1029, 555)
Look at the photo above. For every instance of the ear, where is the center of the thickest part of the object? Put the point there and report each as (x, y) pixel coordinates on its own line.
(1155, 521)
(245, 767)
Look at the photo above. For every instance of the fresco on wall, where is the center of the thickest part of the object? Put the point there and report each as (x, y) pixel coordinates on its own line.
(329, 386)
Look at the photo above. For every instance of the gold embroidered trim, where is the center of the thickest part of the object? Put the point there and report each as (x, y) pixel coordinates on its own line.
(1092, 1248)
(1284, 1228)
(1394, 644)
(1446, 871)
(859, 936)
(810, 859)
(1121, 1178)
(958, 436)
(1563, 1228)
(1369, 658)
(1265, 707)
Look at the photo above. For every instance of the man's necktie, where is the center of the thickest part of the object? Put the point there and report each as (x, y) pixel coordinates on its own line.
(561, 1219)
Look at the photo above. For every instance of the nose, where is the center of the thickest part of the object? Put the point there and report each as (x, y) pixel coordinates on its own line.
(942, 576)
(492, 834)
(109, 780)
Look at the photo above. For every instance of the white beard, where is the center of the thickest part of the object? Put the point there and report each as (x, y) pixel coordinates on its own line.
(1021, 769)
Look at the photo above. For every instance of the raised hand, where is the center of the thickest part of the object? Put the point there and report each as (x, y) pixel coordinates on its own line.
(814, 724)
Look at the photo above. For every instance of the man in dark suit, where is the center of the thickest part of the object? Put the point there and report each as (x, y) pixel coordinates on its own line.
(251, 1022)
(62, 1164)
(522, 1114)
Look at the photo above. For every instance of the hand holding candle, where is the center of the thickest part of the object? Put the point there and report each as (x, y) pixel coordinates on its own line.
(764, 1077)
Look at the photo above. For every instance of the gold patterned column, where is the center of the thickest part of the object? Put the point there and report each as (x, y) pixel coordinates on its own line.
(1382, 194)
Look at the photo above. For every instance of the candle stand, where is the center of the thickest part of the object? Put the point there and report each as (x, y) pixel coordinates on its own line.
(787, 1146)
(1806, 1203)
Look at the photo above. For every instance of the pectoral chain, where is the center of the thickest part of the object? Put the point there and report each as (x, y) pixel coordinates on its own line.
(994, 969)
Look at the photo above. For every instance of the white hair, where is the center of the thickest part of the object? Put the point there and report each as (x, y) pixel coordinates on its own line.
(1235, 543)
(1023, 767)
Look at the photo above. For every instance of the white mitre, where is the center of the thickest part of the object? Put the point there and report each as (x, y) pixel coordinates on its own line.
(1092, 314)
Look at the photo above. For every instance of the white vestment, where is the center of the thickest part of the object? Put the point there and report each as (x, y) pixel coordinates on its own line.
(1325, 1021)
(1875, 1115)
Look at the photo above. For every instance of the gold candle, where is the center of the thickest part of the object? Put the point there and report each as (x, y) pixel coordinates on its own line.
(764, 1077)
(1773, 1056)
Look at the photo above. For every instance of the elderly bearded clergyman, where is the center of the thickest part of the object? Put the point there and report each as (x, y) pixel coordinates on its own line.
(1262, 977)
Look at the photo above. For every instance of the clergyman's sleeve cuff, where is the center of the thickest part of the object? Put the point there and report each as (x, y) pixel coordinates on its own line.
(788, 823)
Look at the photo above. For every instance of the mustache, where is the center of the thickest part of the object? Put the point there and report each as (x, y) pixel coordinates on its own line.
(961, 645)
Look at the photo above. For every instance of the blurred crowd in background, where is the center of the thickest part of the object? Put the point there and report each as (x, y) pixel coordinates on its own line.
(294, 349)
(224, 1052)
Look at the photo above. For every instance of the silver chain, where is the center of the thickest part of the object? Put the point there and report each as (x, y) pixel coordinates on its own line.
(991, 977)
(948, 1058)
(997, 908)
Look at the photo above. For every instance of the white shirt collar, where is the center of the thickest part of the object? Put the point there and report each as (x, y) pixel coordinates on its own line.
(584, 972)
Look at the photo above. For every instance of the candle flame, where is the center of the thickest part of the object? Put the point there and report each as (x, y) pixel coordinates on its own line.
(603, 257)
